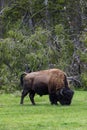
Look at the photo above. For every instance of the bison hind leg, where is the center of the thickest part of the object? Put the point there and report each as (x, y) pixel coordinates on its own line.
(53, 99)
(31, 95)
(24, 93)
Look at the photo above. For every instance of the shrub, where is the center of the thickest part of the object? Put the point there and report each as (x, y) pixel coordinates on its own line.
(84, 80)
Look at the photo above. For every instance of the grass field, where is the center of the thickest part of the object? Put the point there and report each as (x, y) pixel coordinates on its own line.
(43, 116)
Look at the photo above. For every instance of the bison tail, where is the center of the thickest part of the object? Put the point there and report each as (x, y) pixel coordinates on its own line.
(21, 78)
(66, 82)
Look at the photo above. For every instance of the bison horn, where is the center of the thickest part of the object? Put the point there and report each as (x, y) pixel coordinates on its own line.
(61, 92)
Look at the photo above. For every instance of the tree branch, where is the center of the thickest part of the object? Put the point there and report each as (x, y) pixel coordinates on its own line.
(74, 81)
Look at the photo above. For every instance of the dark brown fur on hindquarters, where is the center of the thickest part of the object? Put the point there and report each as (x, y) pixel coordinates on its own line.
(45, 82)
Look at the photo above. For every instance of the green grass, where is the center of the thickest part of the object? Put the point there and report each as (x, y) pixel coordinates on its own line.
(43, 116)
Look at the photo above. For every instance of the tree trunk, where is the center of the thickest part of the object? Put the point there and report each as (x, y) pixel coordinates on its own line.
(47, 15)
(75, 20)
(74, 13)
(2, 3)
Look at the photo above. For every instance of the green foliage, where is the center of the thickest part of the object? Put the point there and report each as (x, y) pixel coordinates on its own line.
(83, 38)
(59, 30)
(84, 80)
(12, 15)
(36, 33)
(19, 50)
(6, 48)
(83, 57)
(34, 50)
(8, 80)
(64, 45)
(83, 51)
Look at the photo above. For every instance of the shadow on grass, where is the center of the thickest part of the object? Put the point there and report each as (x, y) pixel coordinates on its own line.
(46, 105)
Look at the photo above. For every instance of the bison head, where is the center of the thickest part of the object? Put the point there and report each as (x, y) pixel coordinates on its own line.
(64, 96)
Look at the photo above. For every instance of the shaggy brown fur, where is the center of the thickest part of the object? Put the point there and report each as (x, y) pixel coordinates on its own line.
(43, 82)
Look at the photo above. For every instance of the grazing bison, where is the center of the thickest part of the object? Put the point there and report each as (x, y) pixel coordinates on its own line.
(52, 82)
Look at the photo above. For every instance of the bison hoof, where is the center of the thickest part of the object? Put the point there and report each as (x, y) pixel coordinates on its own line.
(21, 103)
(54, 103)
(33, 104)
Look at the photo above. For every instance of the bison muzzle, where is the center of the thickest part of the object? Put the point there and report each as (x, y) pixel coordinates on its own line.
(52, 82)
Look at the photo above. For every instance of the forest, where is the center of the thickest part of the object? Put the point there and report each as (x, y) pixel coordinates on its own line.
(42, 34)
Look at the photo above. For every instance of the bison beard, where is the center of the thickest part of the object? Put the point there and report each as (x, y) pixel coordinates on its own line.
(51, 82)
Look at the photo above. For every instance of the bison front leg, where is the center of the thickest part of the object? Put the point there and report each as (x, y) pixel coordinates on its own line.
(31, 95)
(53, 98)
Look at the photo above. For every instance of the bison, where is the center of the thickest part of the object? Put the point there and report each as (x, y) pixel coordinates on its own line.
(52, 82)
